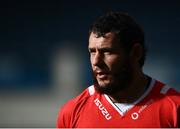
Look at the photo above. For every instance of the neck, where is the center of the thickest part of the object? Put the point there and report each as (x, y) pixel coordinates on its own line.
(135, 89)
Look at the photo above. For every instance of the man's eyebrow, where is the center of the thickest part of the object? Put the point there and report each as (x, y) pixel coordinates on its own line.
(102, 49)
(106, 48)
(91, 49)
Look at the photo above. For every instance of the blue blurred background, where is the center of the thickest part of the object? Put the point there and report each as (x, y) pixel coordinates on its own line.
(44, 59)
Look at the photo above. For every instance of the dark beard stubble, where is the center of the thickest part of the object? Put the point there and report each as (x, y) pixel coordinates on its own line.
(123, 77)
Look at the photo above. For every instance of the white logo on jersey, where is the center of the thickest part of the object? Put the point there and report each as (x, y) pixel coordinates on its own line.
(102, 109)
(134, 115)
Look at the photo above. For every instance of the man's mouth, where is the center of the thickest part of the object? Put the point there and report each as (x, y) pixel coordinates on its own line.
(101, 75)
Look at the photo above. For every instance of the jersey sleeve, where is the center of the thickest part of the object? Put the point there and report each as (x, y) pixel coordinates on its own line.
(178, 117)
(64, 119)
(175, 98)
(69, 111)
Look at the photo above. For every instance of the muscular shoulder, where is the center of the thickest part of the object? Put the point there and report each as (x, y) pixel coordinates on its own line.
(171, 105)
(69, 110)
(170, 94)
(167, 104)
(80, 99)
(165, 97)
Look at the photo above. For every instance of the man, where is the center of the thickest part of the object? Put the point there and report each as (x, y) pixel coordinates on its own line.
(122, 95)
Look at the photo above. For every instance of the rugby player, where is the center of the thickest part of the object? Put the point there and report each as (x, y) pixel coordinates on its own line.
(122, 95)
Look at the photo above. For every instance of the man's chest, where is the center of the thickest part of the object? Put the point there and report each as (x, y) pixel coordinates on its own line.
(101, 114)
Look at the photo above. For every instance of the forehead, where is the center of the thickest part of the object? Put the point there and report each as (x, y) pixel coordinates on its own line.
(109, 40)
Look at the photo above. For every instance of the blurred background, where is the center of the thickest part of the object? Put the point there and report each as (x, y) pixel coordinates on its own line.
(44, 59)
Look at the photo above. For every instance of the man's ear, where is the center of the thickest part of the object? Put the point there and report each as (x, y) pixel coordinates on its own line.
(136, 52)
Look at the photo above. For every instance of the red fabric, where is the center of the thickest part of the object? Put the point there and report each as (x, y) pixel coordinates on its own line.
(156, 110)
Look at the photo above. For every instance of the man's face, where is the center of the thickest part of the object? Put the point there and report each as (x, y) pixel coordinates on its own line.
(111, 66)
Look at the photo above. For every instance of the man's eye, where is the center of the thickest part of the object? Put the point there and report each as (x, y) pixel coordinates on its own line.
(107, 52)
(92, 52)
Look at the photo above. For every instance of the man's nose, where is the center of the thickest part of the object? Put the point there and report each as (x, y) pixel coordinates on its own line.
(97, 59)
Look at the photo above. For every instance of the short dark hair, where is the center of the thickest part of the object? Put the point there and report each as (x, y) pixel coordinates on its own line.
(124, 26)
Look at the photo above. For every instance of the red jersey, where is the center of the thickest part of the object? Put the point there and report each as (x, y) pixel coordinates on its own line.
(159, 107)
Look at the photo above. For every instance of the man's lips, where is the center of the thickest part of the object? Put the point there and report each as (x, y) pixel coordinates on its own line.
(101, 74)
